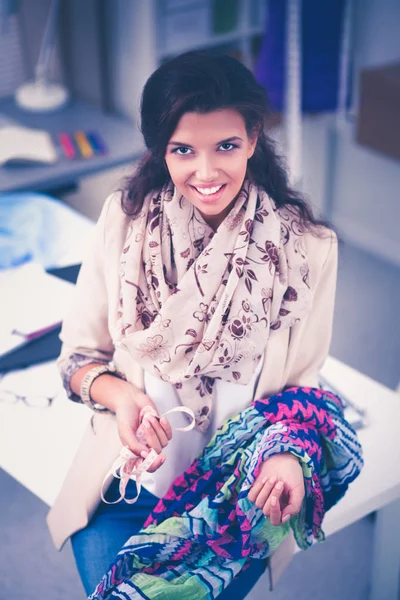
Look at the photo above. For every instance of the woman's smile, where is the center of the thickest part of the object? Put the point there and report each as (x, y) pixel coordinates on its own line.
(209, 195)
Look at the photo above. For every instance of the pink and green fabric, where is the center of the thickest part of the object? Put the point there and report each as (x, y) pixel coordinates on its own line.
(205, 530)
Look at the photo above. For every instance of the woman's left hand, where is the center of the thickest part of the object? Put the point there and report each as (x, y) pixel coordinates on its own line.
(279, 488)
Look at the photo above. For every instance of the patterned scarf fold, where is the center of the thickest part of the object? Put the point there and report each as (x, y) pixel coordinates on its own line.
(197, 305)
(205, 530)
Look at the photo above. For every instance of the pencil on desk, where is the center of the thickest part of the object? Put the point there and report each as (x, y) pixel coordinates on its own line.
(28, 337)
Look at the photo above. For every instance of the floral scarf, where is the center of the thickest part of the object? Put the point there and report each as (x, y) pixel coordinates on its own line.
(198, 305)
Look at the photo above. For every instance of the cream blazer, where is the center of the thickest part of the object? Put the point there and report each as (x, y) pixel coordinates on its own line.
(293, 357)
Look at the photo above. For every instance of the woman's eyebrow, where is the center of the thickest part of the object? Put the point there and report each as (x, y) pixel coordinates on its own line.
(234, 138)
(180, 144)
(228, 140)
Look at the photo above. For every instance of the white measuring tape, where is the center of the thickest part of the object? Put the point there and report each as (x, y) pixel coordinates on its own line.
(128, 465)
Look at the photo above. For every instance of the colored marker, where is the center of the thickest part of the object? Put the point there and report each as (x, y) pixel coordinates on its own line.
(67, 145)
(97, 142)
(83, 144)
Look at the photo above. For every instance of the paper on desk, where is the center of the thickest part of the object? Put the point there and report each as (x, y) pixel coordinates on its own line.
(19, 143)
(41, 379)
(31, 300)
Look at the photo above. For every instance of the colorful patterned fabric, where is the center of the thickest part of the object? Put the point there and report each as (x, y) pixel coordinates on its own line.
(205, 530)
(197, 304)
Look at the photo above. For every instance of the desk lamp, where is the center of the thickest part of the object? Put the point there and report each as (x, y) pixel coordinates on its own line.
(41, 95)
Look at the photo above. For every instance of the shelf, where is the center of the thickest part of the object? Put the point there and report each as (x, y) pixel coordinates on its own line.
(210, 24)
(214, 40)
(122, 139)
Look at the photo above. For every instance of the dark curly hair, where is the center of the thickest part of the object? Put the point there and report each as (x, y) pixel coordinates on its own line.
(201, 82)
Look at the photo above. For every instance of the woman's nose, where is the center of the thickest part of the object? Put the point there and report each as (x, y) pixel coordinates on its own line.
(206, 170)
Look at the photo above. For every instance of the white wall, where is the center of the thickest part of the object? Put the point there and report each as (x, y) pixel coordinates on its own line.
(366, 193)
(377, 31)
(132, 48)
(314, 167)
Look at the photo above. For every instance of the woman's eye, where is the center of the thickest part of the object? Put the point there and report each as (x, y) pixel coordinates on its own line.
(226, 147)
(182, 151)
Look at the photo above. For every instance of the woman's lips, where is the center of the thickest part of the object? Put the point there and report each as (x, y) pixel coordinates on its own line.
(209, 198)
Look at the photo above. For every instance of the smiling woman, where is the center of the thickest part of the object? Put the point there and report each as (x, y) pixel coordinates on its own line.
(210, 285)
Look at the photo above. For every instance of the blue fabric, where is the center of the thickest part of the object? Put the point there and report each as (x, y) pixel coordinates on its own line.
(96, 546)
(321, 31)
(36, 227)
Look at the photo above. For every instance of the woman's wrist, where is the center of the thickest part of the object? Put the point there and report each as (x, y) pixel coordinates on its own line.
(110, 391)
(106, 390)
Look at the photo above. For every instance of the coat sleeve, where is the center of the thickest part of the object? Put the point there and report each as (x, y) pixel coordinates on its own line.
(310, 339)
(85, 333)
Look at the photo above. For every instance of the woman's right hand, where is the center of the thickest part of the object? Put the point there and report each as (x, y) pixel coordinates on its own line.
(158, 434)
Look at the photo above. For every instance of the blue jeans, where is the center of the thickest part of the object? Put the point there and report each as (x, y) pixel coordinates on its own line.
(96, 546)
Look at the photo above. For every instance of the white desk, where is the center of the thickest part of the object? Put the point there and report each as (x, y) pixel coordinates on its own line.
(378, 486)
(38, 445)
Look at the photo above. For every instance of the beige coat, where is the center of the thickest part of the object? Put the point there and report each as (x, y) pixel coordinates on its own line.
(293, 357)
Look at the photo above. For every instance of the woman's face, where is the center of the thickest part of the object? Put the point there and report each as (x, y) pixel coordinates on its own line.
(207, 159)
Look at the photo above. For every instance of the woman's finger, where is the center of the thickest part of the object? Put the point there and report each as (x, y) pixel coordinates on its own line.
(295, 502)
(264, 492)
(160, 460)
(151, 437)
(278, 489)
(273, 507)
(159, 430)
(129, 439)
(167, 427)
(275, 512)
(258, 486)
(161, 424)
